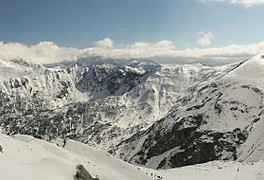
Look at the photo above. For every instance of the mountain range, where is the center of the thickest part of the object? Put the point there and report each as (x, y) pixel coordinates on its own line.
(159, 116)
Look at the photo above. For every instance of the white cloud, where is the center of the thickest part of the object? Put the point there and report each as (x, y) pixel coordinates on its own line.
(135, 50)
(246, 3)
(163, 51)
(43, 52)
(105, 43)
(205, 39)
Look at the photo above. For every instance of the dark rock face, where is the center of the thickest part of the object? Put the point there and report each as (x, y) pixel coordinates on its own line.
(101, 82)
(78, 121)
(83, 174)
(190, 145)
(212, 126)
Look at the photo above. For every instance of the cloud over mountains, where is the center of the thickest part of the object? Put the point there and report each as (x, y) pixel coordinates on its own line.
(246, 3)
(48, 52)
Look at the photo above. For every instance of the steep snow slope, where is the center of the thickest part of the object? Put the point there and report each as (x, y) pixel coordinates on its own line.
(252, 149)
(26, 158)
(219, 121)
(250, 72)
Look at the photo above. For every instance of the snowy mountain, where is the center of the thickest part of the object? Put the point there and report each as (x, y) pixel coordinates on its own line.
(155, 115)
(27, 158)
(24, 81)
(100, 103)
(17, 67)
(221, 121)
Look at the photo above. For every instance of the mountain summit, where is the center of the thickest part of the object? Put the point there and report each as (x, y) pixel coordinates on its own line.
(250, 71)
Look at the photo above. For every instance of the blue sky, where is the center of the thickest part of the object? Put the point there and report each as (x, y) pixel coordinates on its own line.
(81, 23)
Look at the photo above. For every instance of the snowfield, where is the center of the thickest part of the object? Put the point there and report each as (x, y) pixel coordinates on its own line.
(250, 72)
(27, 158)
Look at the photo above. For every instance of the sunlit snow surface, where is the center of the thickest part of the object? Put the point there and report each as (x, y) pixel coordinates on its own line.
(250, 72)
(26, 158)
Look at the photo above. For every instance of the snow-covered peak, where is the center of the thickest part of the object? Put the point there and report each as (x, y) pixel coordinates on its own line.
(249, 72)
(17, 68)
(221, 108)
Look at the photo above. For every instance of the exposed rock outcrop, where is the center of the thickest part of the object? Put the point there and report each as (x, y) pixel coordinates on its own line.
(83, 174)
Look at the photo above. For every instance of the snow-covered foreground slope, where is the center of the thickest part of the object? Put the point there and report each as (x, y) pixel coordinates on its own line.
(26, 158)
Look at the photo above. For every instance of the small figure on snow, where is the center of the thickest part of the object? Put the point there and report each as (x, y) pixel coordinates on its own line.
(1, 149)
(64, 142)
